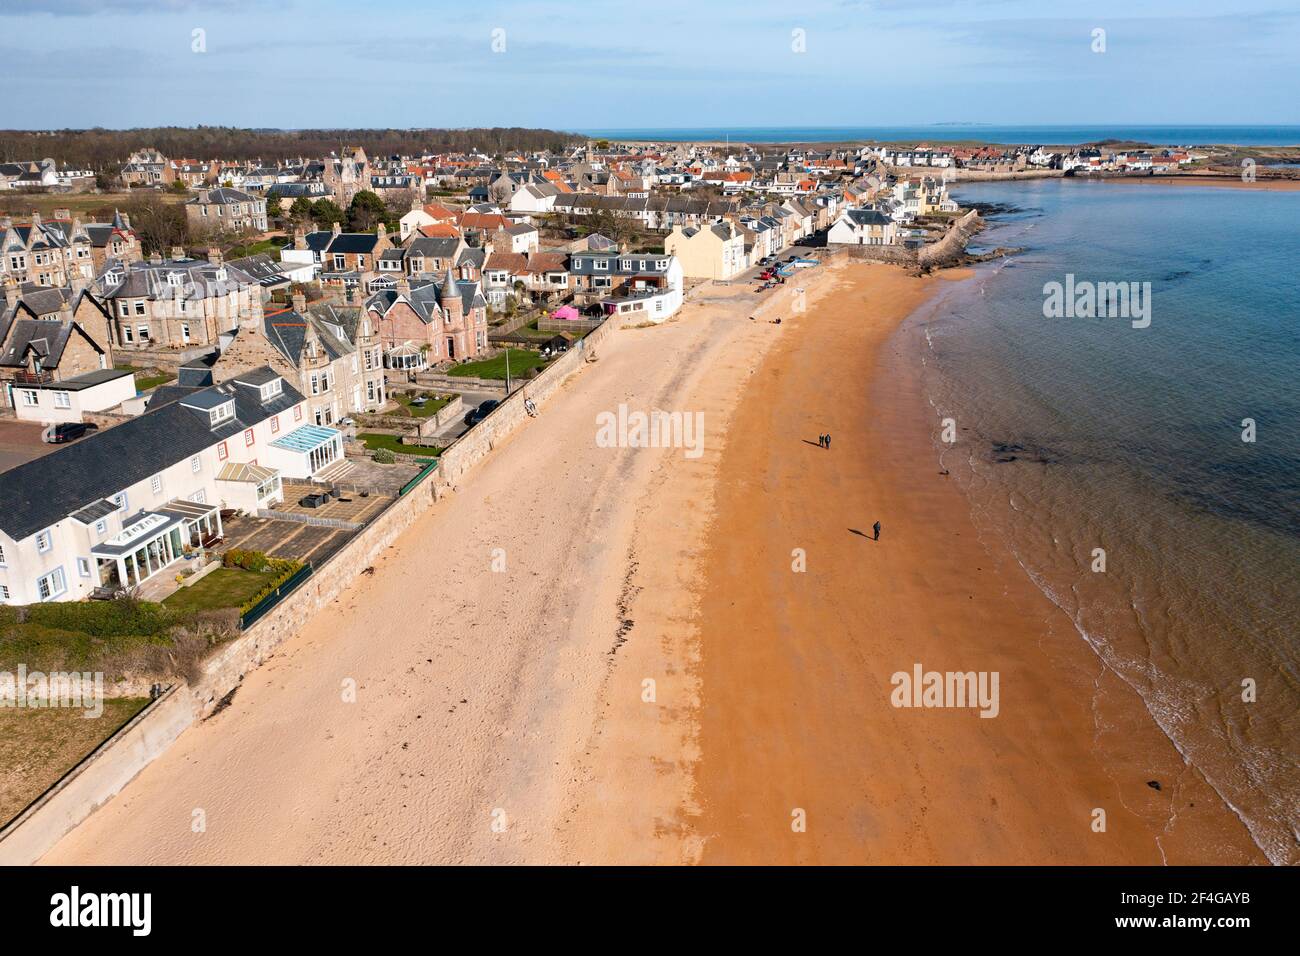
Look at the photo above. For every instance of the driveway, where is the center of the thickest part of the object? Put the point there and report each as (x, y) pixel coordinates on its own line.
(20, 442)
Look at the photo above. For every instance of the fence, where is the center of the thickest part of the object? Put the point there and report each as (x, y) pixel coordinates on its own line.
(254, 613)
(424, 473)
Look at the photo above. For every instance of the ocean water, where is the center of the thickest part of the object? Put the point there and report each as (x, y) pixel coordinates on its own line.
(1086, 433)
(967, 132)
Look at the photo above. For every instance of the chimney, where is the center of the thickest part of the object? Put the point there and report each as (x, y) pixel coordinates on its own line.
(178, 252)
(36, 219)
(65, 311)
(9, 291)
(251, 324)
(155, 258)
(214, 256)
(299, 238)
(6, 222)
(403, 285)
(381, 232)
(299, 302)
(126, 221)
(63, 214)
(79, 285)
(337, 229)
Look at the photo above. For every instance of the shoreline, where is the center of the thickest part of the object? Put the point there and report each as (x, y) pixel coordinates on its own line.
(795, 670)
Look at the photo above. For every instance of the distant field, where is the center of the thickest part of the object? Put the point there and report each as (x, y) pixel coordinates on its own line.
(21, 204)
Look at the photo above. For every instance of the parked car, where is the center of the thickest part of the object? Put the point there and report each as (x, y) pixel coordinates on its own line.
(485, 407)
(66, 431)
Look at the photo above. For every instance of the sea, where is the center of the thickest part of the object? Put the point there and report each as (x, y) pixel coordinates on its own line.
(967, 132)
(1170, 452)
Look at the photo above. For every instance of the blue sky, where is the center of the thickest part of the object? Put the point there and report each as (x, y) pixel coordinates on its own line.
(613, 64)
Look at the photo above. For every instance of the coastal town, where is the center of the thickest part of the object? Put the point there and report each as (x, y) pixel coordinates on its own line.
(227, 387)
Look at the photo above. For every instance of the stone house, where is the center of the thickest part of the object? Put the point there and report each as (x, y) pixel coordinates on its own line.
(225, 210)
(176, 302)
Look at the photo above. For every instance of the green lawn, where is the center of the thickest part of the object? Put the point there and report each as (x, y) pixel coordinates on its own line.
(224, 587)
(405, 407)
(145, 382)
(374, 441)
(271, 246)
(521, 360)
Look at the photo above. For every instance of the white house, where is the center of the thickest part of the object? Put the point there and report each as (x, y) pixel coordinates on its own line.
(863, 227)
(122, 505)
(69, 399)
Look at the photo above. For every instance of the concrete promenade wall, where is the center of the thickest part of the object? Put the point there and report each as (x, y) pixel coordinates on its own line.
(97, 779)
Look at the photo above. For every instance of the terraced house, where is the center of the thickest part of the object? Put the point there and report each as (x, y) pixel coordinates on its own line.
(176, 302)
(123, 505)
(45, 253)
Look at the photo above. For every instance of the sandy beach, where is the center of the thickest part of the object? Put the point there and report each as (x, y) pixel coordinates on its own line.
(649, 681)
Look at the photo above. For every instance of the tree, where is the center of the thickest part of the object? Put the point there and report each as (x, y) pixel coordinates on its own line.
(160, 225)
(326, 211)
(301, 210)
(366, 210)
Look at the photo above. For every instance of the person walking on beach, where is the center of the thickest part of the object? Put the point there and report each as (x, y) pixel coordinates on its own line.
(828, 439)
(875, 531)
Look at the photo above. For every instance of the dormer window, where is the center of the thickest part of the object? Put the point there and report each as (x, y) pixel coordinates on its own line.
(175, 279)
(222, 413)
(271, 389)
(221, 274)
(112, 277)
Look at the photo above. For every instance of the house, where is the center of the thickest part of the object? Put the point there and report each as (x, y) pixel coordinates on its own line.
(69, 399)
(49, 253)
(310, 352)
(124, 504)
(419, 324)
(48, 336)
(649, 284)
(423, 215)
(147, 167)
(225, 210)
(715, 251)
(863, 227)
(176, 302)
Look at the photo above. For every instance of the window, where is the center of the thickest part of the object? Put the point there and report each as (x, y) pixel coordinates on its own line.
(4, 592)
(185, 327)
(124, 309)
(127, 334)
(2, 555)
(297, 414)
(222, 452)
(271, 389)
(200, 497)
(43, 541)
(101, 526)
(340, 263)
(139, 308)
(142, 332)
(51, 585)
(29, 397)
(155, 484)
(222, 413)
(83, 567)
(195, 464)
(248, 438)
(119, 499)
(275, 424)
(62, 400)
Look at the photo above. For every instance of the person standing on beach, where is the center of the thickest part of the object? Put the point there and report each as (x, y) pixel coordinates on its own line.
(875, 531)
(821, 441)
(828, 439)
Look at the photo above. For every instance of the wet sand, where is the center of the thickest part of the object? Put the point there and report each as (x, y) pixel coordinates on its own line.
(795, 671)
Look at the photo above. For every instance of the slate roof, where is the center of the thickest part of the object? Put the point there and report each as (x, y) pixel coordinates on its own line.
(148, 280)
(48, 489)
